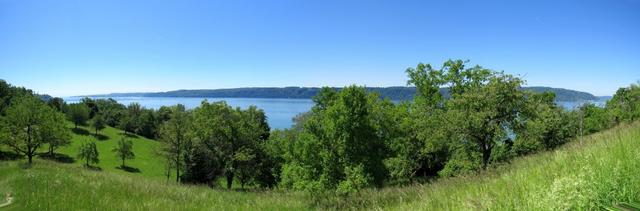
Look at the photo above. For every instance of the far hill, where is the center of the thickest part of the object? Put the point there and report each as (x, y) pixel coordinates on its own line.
(393, 93)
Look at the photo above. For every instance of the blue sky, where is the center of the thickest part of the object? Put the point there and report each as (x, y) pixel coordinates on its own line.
(66, 47)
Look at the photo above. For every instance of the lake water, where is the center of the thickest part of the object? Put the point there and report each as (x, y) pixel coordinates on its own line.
(280, 112)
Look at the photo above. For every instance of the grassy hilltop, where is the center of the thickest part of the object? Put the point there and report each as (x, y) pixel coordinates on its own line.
(599, 171)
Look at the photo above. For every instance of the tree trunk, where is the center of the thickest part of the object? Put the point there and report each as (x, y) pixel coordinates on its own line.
(76, 124)
(486, 155)
(29, 152)
(177, 171)
(229, 180)
(123, 163)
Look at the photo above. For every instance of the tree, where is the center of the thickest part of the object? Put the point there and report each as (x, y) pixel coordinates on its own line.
(130, 122)
(98, 123)
(78, 113)
(92, 106)
(342, 143)
(56, 134)
(422, 145)
(228, 142)
(124, 150)
(89, 153)
(147, 123)
(625, 104)
(463, 130)
(29, 124)
(174, 137)
(111, 111)
(485, 108)
(57, 103)
(216, 131)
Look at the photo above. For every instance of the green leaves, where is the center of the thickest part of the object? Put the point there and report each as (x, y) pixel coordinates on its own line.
(124, 150)
(29, 124)
(78, 113)
(89, 153)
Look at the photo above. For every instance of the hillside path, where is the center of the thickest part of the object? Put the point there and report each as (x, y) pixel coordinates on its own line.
(9, 200)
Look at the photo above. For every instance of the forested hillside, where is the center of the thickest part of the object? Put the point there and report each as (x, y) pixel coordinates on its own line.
(393, 93)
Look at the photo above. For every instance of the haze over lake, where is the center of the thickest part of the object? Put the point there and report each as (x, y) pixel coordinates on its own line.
(279, 111)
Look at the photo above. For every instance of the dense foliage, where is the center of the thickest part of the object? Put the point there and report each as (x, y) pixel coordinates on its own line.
(350, 140)
(29, 124)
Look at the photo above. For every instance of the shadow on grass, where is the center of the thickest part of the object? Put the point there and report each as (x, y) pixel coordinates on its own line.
(25, 165)
(129, 135)
(93, 168)
(80, 131)
(10, 155)
(62, 158)
(129, 169)
(101, 137)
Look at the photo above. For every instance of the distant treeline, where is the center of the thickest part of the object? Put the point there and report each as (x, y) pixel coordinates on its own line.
(393, 93)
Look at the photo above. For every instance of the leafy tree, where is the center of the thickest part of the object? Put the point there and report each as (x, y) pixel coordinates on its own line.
(131, 120)
(57, 103)
(89, 153)
(29, 124)
(216, 130)
(147, 123)
(78, 113)
(8, 93)
(55, 133)
(458, 133)
(233, 139)
(342, 136)
(92, 106)
(484, 107)
(98, 123)
(625, 104)
(593, 118)
(127, 124)
(124, 150)
(111, 111)
(421, 147)
(252, 163)
(174, 137)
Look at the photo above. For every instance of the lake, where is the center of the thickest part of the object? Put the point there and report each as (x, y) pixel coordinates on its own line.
(280, 112)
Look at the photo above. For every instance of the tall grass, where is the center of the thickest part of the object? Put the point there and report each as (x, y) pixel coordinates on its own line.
(52, 186)
(599, 171)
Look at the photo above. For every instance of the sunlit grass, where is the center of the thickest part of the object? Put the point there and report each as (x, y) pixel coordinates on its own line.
(146, 163)
(599, 171)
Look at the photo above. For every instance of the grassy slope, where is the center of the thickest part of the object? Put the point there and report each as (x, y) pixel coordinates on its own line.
(146, 162)
(602, 170)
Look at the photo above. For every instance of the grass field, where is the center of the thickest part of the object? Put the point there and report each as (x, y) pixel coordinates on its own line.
(146, 163)
(601, 170)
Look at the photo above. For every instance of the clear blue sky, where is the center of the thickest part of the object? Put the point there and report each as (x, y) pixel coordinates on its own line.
(78, 47)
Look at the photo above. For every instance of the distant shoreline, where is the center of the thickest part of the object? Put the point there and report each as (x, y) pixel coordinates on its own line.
(398, 93)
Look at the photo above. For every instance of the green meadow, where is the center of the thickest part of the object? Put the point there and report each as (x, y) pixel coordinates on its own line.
(595, 172)
(146, 163)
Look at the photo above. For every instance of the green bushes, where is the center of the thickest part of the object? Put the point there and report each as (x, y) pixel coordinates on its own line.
(352, 140)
